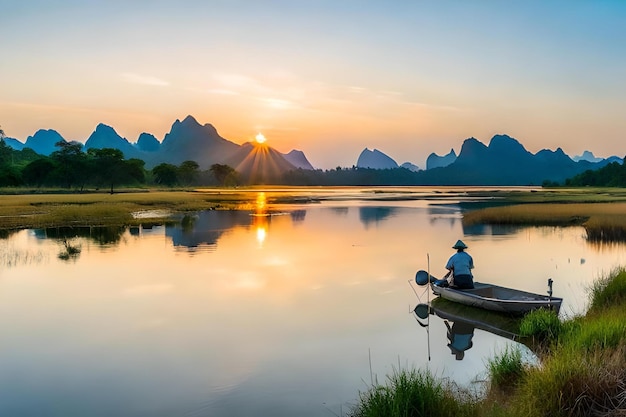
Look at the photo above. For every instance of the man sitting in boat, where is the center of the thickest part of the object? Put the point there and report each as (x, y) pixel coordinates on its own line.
(460, 266)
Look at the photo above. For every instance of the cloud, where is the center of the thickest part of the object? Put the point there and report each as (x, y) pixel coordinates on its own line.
(222, 92)
(144, 79)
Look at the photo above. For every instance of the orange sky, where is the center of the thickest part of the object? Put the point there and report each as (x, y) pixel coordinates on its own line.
(328, 78)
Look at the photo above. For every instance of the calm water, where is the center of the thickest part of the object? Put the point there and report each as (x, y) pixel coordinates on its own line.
(282, 311)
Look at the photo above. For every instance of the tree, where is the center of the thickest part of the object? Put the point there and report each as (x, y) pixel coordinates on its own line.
(224, 174)
(71, 163)
(38, 172)
(136, 170)
(188, 172)
(109, 167)
(165, 174)
(6, 153)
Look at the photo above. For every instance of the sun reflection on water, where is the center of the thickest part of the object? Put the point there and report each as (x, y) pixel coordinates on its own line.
(260, 218)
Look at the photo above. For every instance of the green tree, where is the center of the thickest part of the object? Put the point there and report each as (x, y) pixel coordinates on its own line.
(165, 174)
(38, 172)
(110, 168)
(224, 174)
(71, 164)
(188, 172)
(9, 174)
(136, 170)
(6, 153)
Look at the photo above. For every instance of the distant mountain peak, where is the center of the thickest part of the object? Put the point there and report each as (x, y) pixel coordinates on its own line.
(587, 156)
(190, 120)
(298, 159)
(105, 129)
(436, 161)
(375, 159)
(43, 141)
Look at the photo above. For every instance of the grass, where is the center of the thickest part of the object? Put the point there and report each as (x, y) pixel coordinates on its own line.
(610, 291)
(541, 324)
(582, 370)
(603, 222)
(412, 393)
(103, 209)
(506, 369)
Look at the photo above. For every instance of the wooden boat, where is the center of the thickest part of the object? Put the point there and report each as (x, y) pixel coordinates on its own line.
(492, 297)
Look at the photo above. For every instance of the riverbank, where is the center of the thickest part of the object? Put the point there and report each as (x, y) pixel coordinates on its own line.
(582, 371)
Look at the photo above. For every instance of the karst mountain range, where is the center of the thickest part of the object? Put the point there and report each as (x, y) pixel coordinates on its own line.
(504, 161)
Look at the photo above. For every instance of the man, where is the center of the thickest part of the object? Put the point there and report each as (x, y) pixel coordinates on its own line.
(460, 266)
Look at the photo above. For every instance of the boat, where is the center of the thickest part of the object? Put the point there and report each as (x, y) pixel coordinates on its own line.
(492, 297)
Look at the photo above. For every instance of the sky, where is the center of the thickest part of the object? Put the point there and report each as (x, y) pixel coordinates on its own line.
(327, 77)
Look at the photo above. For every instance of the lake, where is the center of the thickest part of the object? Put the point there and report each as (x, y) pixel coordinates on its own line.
(279, 310)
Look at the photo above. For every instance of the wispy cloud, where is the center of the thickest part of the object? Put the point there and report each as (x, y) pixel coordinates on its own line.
(222, 92)
(144, 79)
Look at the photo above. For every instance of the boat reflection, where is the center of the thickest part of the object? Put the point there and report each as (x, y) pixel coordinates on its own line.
(461, 321)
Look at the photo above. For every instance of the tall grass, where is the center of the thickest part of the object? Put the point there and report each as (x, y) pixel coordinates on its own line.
(412, 393)
(506, 369)
(609, 291)
(541, 324)
(573, 384)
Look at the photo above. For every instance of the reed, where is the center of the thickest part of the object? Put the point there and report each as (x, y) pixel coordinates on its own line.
(541, 324)
(609, 291)
(506, 369)
(603, 222)
(412, 393)
(573, 384)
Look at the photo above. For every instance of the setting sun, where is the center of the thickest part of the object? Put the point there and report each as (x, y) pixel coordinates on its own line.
(260, 138)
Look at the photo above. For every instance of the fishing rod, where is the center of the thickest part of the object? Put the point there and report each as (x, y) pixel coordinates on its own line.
(428, 304)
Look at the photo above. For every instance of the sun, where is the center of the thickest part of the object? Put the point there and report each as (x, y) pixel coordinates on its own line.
(260, 138)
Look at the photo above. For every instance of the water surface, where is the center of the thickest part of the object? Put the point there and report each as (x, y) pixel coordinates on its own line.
(280, 310)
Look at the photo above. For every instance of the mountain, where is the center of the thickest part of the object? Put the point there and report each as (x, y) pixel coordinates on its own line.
(410, 166)
(586, 156)
(190, 141)
(589, 156)
(375, 159)
(147, 143)
(106, 137)
(436, 161)
(14, 143)
(298, 159)
(43, 141)
(505, 162)
(259, 163)
(186, 141)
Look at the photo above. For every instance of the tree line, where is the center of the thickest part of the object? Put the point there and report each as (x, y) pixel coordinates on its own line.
(73, 168)
(610, 175)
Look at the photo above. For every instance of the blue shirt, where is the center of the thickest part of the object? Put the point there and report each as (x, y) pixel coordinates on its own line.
(461, 263)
